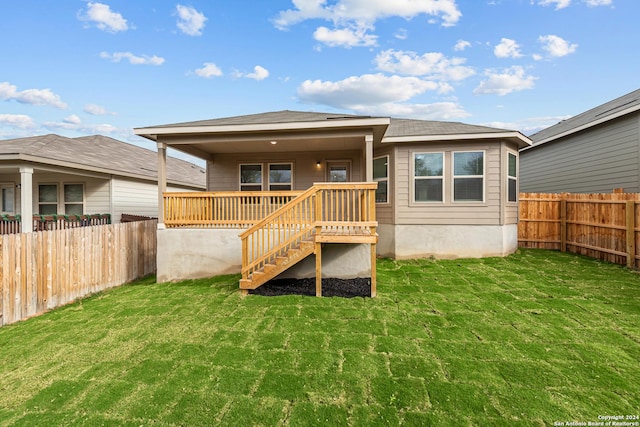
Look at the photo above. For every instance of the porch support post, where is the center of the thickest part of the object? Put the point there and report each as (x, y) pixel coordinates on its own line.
(368, 158)
(26, 199)
(318, 269)
(162, 181)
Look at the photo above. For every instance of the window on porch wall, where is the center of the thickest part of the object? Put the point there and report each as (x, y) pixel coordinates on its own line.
(8, 198)
(280, 177)
(251, 177)
(47, 199)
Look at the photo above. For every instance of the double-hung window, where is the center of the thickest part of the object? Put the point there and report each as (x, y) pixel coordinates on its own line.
(468, 176)
(48, 199)
(73, 199)
(381, 176)
(428, 177)
(512, 178)
(251, 177)
(8, 198)
(280, 177)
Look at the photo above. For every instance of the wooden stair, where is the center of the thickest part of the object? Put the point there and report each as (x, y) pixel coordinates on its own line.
(280, 264)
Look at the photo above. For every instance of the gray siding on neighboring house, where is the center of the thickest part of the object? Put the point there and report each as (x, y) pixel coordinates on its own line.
(449, 212)
(595, 160)
(224, 170)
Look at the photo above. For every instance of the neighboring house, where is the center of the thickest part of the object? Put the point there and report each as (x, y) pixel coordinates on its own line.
(52, 174)
(443, 189)
(593, 152)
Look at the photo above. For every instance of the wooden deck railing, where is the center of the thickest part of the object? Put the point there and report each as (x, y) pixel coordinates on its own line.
(10, 224)
(333, 208)
(230, 209)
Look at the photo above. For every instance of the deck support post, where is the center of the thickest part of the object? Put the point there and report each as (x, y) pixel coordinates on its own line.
(373, 271)
(318, 269)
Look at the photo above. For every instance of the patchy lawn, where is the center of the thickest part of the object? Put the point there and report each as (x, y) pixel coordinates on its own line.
(532, 339)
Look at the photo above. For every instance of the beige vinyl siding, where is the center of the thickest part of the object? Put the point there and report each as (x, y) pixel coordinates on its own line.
(449, 212)
(134, 197)
(223, 172)
(96, 190)
(384, 211)
(596, 160)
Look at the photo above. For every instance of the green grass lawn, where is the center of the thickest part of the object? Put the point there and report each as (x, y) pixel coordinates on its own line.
(532, 339)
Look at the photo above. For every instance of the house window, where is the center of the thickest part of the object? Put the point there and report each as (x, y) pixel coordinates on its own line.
(428, 179)
(468, 176)
(73, 199)
(512, 178)
(47, 199)
(251, 177)
(8, 198)
(381, 176)
(280, 177)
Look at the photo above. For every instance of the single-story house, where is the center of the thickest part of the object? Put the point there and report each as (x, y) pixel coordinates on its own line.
(52, 174)
(594, 152)
(405, 188)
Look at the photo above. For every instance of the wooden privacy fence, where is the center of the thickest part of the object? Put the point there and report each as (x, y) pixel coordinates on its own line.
(603, 226)
(43, 270)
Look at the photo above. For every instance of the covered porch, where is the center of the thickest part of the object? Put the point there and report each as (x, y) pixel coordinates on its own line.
(279, 194)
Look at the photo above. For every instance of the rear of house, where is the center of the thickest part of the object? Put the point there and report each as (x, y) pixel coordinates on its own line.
(441, 189)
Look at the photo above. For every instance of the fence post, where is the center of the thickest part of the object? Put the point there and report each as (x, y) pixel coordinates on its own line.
(563, 225)
(631, 233)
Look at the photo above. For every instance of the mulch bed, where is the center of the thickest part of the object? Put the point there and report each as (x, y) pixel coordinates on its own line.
(345, 288)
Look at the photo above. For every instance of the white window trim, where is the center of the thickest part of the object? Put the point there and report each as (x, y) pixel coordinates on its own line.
(413, 178)
(386, 179)
(515, 178)
(65, 203)
(240, 184)
(279, 183)
(483, 176)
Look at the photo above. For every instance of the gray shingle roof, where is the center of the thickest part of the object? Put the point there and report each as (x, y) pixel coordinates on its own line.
(409, 127)
(599, 113)
(99, 151)
(284, 116)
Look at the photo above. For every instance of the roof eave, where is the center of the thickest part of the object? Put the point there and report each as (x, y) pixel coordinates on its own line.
(152, 132)
(514, 136)
(585, 126)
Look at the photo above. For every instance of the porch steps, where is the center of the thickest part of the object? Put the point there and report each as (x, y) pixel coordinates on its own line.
(282, 263)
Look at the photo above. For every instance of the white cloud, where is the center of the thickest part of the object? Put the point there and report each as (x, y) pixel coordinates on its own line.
(367, 11)
(401, 34)
(259, 73)
(502, 83)
(208, 70)
(594, 3)
(461, 45)
(30, 96)
(133, 59)
(435, 111)
(73, 123)
(345, 37)
(431, 64)
(507, 48)
(190, 21)
(18, 121)
(356, 92)
(104, 18)
(556, 46)
(529, 125)
(560, 4)
(97, 110)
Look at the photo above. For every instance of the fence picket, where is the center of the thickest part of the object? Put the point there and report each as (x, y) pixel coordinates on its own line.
(43, 270)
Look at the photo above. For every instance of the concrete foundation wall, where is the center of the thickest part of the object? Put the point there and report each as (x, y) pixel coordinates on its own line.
(197, 253)
(448, 241)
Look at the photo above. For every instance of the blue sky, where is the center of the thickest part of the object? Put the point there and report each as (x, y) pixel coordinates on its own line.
(75, 67)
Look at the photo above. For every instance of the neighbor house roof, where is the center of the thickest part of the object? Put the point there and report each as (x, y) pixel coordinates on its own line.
(99, 153)
(391, 129)
(618, 107)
